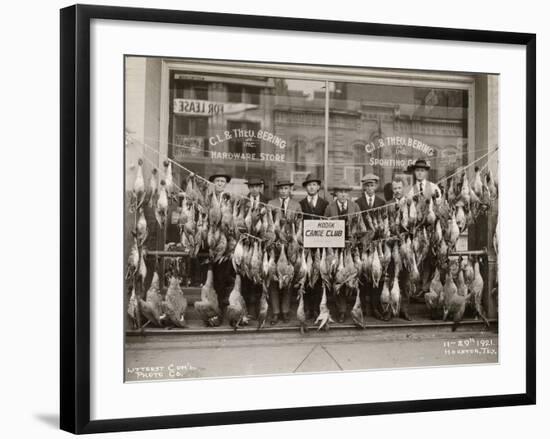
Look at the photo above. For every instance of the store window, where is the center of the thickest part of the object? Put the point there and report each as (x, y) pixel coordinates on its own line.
(275, 128)
(250, 126)
(397, 125)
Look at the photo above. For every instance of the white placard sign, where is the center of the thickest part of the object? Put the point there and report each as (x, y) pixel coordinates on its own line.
(324, 233)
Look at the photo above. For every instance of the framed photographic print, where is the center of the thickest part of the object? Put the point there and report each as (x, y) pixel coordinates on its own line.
(188, 171)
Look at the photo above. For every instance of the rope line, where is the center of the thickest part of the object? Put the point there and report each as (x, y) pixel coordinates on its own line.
(371, 210)
(212, 184)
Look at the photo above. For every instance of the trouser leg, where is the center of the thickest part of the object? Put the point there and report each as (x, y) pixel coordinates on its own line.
(363, 294)
(224, 280)
(341, 302)
(312, 299)
(274, 297)
(375, 300)
(285, 300)
(309, 301)
(428, 267)
(250, 295)
(405, 293)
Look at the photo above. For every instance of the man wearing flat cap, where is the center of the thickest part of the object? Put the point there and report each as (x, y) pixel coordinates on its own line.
(288, 208)
(251, 292)
(224, 273)
(342, 208)
(313, 207)
(367, 201)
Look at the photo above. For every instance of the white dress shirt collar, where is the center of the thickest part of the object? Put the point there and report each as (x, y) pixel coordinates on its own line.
(370, 199)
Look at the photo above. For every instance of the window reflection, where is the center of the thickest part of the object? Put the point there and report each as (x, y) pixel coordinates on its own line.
(275, 128)
(383, 129)
(252, 126)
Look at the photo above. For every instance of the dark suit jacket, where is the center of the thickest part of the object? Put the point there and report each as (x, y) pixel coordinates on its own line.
(332, 209)
(362, 203)
(263, 199)
(319, 208)
(293, 207)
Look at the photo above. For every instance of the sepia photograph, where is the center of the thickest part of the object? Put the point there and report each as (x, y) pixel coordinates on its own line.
(286, 218)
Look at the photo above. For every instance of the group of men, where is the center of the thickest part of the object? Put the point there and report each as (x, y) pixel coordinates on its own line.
(313, 206)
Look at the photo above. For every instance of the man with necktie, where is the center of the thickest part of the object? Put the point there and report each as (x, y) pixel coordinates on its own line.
(421, 190)
(398, 187)
(313, 206)
(251, 292)
(342, 208)
(224, 274)
(289, 208)
(255, 194)
(422, 186)
(284, 203)
(368, 200)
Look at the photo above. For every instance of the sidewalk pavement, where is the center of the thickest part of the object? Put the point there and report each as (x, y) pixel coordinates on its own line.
(162, 357)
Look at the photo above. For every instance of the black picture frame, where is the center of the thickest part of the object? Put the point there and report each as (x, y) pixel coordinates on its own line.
(75, 217)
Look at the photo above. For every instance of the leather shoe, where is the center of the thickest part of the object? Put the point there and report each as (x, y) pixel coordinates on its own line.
(275, 319)
(286, 317)
(405, 315)
(342, 317)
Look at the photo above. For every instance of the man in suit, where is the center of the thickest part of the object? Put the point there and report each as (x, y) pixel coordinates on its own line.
(288, 209)
(342, 208)
(398, 197)
(284, 203)
(422, 186)
(367, 201)
(313, 207)
(423, 189)
(255, 194)
(251, 291)
(224, 274)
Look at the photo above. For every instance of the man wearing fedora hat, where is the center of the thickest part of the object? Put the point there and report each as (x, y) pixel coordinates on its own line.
(342, 207)
(289, 209)
(251, 292)
(284, 202)
(224, 273)
(313, 206)
(367, 201)
(255, 194)
(423, 189)
(422, 186)
(219, 179)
